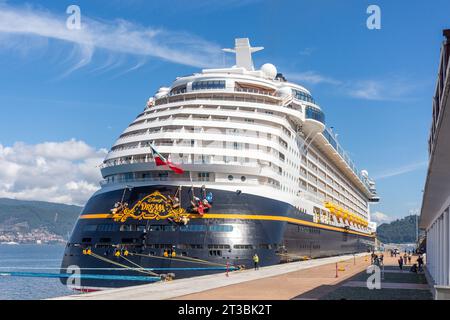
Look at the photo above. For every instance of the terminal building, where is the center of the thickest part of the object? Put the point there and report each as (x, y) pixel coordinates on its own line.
(435, 215)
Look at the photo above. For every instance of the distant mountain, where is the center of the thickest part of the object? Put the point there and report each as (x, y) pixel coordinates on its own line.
(398, 231)
(26, 215)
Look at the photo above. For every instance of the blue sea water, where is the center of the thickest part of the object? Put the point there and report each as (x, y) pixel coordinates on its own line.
(28, 258)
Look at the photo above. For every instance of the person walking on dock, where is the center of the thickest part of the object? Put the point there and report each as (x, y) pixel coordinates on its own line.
(420, 263)
(373, 257)
(381, 259)
(400, 263)
(256, 261)
(409, 259)
(405, 258)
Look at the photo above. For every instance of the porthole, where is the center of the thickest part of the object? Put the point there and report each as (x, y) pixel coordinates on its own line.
(243, 178)
(230, 177)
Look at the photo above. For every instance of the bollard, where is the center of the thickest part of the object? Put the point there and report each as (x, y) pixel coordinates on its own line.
(227, 268)
(336, 269)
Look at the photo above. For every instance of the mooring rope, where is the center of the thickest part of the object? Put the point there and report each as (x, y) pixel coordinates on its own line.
(81, 276)
(192, 260)
(141, 268)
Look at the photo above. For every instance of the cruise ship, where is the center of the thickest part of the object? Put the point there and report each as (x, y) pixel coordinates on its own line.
(258, 172)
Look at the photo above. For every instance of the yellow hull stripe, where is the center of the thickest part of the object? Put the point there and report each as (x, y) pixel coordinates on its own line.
(249, 217)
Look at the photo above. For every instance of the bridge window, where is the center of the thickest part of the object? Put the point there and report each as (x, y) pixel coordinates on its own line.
(300, 95)
(315, 114)
(208, 84)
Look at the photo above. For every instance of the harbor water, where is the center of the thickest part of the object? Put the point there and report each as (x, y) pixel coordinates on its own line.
(31, 258)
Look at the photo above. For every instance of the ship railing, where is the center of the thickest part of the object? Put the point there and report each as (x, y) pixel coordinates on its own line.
(186, 180)
(184, 161)
(224, 94)
(329, 136)
(169, 121)
(187, 144)
(236, 89)
(229, 132)
(257, 91)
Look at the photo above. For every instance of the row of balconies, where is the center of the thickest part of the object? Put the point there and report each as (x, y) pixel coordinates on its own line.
(316, 192)
(315, 113)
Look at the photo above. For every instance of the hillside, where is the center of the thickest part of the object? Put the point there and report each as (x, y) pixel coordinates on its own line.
(398, 231)
(22, 215)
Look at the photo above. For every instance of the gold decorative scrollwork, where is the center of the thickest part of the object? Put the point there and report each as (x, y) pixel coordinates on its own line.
(154, 206)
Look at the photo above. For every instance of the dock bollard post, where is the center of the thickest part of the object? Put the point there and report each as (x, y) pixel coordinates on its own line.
(227, 268)
(336, 269)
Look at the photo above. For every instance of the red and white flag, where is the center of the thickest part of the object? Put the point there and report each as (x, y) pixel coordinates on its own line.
(161, 161)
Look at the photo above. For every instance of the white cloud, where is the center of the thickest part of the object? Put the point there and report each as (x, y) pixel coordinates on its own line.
(118, 37)
(64, 172)
(380, 217)
(402, 170)
(388, 88)
(312, 77)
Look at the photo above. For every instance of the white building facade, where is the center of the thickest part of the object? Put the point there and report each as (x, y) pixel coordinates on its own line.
(435, 219)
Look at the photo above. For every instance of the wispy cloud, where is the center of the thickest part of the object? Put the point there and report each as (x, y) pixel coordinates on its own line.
(402, 170)
(306, 51)
(312, 77)
(116, 37)
(388, 88)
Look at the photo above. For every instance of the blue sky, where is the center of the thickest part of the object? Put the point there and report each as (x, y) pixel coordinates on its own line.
(375, 86)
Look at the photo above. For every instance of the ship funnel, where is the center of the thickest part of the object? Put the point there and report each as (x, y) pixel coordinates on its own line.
(243, 52)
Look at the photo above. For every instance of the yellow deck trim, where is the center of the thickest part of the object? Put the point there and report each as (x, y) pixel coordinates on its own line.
(248, 217)
(96, 216)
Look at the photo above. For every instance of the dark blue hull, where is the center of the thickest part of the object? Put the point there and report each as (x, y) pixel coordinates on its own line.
(241, 225)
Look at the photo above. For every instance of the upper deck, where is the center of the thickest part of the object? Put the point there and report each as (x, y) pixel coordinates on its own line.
(242, 123)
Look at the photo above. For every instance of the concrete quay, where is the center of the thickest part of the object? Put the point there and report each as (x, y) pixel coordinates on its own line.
(306, 280)
(284, 281)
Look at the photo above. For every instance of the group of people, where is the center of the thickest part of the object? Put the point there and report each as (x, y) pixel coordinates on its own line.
(406, 258)
(403, 260)
(377, 260)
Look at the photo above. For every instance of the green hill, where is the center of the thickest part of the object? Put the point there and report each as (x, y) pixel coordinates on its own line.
(398, 231)
(26, 215)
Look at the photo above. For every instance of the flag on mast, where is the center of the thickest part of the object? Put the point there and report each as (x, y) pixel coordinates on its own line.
(160, 160)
